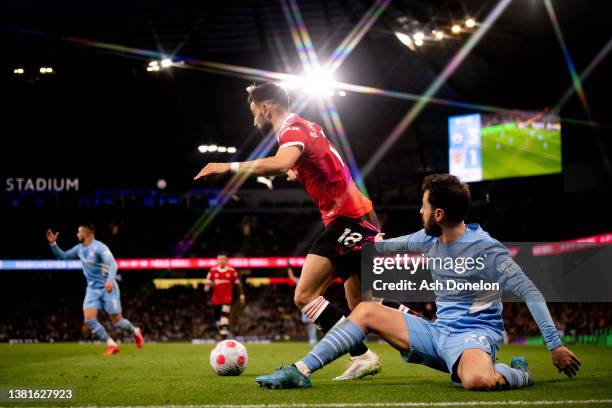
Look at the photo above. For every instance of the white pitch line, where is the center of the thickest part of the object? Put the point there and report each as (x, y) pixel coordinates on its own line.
(373, 404)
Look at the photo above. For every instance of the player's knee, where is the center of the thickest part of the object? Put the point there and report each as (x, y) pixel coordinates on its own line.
(478, 382)
(362, 313)
(116, 318)
(302, 298)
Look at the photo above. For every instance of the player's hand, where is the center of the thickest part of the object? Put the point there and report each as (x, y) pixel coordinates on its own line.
(108, 286)
(51, 237)
(291, 175)
(379, 237)
(565, 361)
(213, 168)
(242, 300)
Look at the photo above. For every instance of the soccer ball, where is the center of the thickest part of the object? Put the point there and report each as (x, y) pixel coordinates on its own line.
(229, 357)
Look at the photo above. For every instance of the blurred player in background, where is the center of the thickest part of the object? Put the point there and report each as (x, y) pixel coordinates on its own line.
(99, 268)
(222, 279)
(465, 338)
(305, 154)
(310, 326)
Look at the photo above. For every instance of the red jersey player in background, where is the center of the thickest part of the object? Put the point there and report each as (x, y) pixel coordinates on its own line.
(306, 154)
(222, 278)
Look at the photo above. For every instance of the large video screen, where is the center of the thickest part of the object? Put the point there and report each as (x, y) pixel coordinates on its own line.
(504, 145)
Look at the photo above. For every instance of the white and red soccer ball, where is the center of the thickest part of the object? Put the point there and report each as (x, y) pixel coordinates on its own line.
(229, 357)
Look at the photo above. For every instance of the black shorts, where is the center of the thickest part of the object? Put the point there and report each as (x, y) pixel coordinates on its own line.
(342, 240)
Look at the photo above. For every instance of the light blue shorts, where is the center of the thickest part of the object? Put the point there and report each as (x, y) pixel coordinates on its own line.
(102, 300)
(438, 348)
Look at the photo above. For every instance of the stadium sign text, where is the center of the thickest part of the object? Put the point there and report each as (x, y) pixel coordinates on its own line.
(42, 184)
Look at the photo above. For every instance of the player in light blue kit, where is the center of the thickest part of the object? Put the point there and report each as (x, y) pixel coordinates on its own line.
(469, 327)
(99, 268)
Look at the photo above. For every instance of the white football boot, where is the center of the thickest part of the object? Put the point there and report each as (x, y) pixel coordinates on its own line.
(360, 366)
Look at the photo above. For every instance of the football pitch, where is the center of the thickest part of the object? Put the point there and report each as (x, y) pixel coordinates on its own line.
(179, 374)
(508, 151)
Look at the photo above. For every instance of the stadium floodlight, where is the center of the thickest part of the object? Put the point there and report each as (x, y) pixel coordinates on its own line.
(18, 71)
(405, 39)
(222, 149)
(439, 35)
(418, 43)
(419, 36)
(153, 63)
(231, 149)
(166, 62)
(203, 148)
(318, 82)
(470, 23)
(212, 148)
(341, 93)
(456, 29)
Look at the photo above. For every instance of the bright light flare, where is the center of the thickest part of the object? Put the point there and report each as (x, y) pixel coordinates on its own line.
(420, 36)
(456, 29)
(317, 83)
(166, 62)
(405, 39)
(470, 23)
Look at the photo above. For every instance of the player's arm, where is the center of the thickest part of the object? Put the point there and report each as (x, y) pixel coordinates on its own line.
(516, 281)
(279, 164)
(291, 275)
(72, 253)
(240, 289)
(407, 243)
(207, 285)
(109, 260)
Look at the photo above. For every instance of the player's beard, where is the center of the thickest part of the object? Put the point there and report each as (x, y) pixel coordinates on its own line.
(266, 128)
(432, 227)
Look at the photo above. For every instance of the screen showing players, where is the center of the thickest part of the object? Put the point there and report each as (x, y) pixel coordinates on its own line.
(504, 145)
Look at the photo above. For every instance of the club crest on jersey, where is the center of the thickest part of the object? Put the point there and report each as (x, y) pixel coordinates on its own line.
(473, 338)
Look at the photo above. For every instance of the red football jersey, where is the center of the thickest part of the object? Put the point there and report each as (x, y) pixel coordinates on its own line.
(223, 281)
(320, 169)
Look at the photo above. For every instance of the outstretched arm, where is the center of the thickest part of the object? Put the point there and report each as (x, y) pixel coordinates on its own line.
(563, 358)
(72, 253)
(279, 164)
(406, 243)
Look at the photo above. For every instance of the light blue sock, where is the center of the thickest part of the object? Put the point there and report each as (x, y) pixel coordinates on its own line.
(125, 324)
(338, 341)
(97, 329)
(514, 377)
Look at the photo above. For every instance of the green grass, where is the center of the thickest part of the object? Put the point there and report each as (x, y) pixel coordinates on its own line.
(508, 151)
(179, 374)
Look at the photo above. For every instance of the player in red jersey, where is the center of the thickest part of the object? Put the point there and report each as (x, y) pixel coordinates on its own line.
(222, 279)
(305, 154)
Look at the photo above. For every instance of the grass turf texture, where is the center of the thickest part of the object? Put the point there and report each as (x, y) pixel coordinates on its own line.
(180, 374)
(508, 151)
